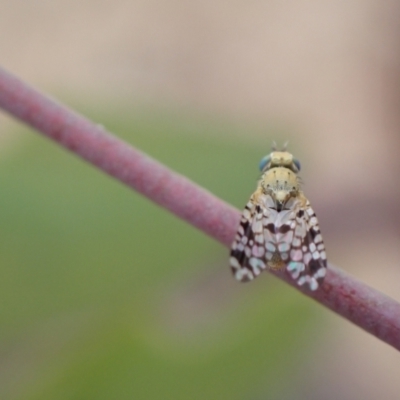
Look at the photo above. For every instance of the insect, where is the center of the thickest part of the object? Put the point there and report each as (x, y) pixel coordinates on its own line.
(278, 229)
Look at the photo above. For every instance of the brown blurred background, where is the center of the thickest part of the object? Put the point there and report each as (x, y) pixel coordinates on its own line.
(326, 74)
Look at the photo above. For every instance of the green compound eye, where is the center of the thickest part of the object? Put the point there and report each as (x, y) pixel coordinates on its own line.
(296, 162)
(264, 162)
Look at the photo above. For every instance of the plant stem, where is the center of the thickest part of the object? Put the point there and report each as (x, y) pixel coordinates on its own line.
(342, 293)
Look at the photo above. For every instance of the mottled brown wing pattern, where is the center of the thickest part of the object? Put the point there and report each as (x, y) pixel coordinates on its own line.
(262, 240)
(289, 238)
(308, 262)
(247, 252)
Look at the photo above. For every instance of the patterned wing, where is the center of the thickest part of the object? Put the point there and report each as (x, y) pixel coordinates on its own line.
(306, 257)
(289, 238)
(248, 249)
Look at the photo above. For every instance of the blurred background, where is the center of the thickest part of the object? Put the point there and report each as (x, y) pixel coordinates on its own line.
(103, 295)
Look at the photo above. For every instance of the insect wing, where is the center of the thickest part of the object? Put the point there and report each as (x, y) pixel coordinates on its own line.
(269, 239)
(248, 249)
(307, 258)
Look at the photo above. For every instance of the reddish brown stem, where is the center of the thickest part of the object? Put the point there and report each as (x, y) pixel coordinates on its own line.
(352, 299)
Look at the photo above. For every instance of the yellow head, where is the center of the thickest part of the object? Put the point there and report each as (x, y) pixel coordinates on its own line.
(280, 159)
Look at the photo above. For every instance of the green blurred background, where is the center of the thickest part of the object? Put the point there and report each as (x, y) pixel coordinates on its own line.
(103, 295)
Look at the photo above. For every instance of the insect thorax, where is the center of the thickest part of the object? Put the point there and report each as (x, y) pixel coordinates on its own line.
(281, 184)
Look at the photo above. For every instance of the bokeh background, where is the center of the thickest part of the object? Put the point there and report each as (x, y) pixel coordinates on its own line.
(103, 295)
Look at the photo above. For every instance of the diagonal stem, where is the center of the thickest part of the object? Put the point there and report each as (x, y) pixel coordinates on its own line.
(342, 293)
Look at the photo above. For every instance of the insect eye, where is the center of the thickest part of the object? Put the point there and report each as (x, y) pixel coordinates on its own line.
(296, 162)
(264, 162)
